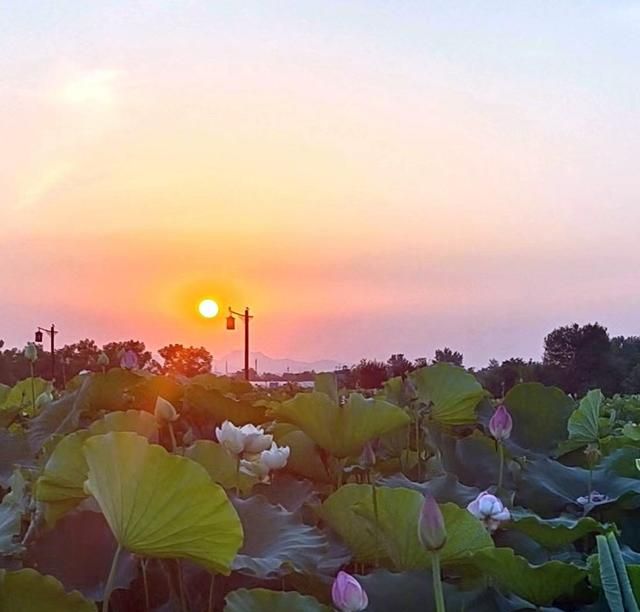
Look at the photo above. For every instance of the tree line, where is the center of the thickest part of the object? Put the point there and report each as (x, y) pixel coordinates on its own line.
(576, 358)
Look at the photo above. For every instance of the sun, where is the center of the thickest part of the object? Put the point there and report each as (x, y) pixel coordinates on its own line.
(208, 308)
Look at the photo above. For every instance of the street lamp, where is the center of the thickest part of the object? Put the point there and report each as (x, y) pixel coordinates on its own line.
(51, 332)
(231, 325)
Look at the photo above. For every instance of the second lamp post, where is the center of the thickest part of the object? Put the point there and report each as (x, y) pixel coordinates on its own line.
(231, 324)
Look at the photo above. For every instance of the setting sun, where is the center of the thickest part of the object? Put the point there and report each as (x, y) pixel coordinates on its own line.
(208, 308)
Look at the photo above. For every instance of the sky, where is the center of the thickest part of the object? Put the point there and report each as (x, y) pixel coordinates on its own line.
(369, 177)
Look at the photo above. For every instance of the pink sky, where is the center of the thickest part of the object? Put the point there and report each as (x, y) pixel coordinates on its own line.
(448, 178)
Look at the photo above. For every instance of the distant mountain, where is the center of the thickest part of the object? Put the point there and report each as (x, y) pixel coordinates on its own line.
(235, 361)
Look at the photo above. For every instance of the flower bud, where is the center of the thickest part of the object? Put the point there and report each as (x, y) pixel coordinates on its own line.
(31, 352)
(593, 454)
(431, 528)
(501, 423)
(276, 457)
(103, 360)
(164, 411)
(347, 594)
(490, 510)
(129, 360)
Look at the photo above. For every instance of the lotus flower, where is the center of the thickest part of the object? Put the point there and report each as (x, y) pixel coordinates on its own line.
(44, 398)
(129, 360)
(347, 594)
(276, 457)
(255, 467)
(164, 411)
(490, 510)
(248, 438)
(31, 352)
(501, 423)
(431, 528)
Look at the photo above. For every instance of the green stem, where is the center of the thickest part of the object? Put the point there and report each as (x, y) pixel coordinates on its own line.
(376, 528)
(211, 584)
(33, 389)
(183, 604)
(500, 473)
(112, 574)
(341, 463)
(173, 438)
(418, 445)
(143, 565)
(437, 582)
(590, 483)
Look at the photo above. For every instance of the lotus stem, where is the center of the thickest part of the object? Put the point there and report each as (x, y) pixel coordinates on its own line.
(112, 574)
(33, 389)
(418, 446)
(183, 603)
(341, 463)
(174, 446)
(376, 528)
(143, 566)
(211, 585)
(590, 483)
(438, 595)
(501, 471)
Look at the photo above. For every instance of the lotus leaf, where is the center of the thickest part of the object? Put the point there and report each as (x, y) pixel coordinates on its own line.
(161, 505)
(341, 430)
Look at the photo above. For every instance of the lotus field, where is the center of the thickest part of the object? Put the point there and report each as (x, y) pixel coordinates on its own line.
(132, 492)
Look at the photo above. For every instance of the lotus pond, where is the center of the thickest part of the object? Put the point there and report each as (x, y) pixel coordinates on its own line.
(131, 492)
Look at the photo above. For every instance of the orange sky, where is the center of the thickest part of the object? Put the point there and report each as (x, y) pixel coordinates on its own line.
(365, 190)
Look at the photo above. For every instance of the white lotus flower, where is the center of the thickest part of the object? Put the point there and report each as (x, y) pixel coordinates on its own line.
(255, 440)
(245, 439)
(490, 510)
(276, 457)
(255, 468)
(164, 411)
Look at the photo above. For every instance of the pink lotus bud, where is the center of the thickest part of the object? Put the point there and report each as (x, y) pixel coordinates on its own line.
(347, 594)
(490, 510)
(501, 423)
(129, 360)
(431, 528)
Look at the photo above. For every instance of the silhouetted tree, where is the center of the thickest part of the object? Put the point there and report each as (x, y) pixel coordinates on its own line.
(186, 361)
(115, 350)
(446, 355)
(370, 374)
(398, 365)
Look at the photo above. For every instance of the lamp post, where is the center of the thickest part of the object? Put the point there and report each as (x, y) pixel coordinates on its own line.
(51, 332)
(231, 324)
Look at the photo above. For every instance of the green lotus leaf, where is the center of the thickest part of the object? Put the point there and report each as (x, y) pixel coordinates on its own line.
(211, 404)
(220, 464)
(556, 532)
(398, 512)
(14, 450)
(539, 584)
(78, 551)
(327, 382)
(161, 505)
(28, 591)
(287, 544)
(109, 391)
(632, 431)
(583, 423)
(4, 392)
(261, 600)
(540, 416)
(19, 396)
(452, 392)
(61, 485)
(224, 384)
(341, 430)
(13, 505)
(304, 458)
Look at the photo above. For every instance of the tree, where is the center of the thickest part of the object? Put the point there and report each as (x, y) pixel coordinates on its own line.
(446, 355)
(631, 384)
(370, 374)
(115, 350)
(185, 361)
(579, 358)
(73, 358)
(399, 365)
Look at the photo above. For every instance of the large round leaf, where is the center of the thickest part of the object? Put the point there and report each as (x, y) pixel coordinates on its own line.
(221, 465)
(261, 600)
(276, 541)
(20, 395)
(583, 423)
(28, 591)
(341, 430)
(304, 458)
(61, 485)
(452, 392)
(161, 505)
(540, 415)
(349, 511)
